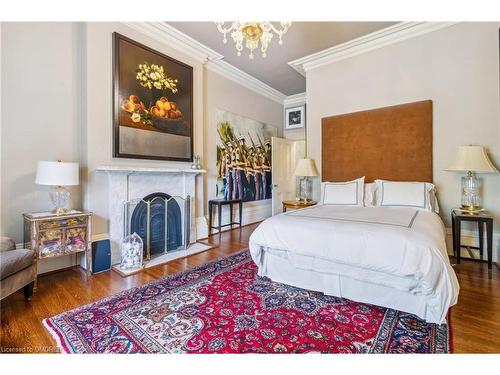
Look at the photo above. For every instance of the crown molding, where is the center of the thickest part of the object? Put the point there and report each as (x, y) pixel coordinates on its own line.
(293, 100)
(213, 60)
(165, 33)
(378, 39)
(234, 74)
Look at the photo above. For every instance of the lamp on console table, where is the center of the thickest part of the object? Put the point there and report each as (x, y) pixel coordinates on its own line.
(58, 175)
(305, 168)
(471, 159)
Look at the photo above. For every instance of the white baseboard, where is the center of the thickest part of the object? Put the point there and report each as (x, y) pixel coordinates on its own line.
(254, 214)
(201, 225)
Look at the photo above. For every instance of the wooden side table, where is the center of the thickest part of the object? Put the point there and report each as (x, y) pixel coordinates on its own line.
(482, 219)
(52, 235)
(296, 205)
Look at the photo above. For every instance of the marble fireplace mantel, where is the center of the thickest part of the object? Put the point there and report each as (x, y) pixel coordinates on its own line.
(126, 182)
(132, 169)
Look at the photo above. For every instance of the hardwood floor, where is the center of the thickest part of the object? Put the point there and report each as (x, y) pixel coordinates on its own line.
(475, 320)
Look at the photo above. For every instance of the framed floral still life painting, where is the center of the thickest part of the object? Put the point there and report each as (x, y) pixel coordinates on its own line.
(153, 103)
(295, 118)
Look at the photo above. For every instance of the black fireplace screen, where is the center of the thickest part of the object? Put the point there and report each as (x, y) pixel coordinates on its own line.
(159, 220)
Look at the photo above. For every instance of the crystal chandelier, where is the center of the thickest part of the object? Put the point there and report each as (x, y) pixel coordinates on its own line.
(251, 33)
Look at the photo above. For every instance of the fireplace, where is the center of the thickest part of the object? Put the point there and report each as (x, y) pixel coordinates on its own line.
(162, 221)
(128, 185)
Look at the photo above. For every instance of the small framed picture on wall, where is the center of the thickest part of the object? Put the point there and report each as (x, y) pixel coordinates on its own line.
(295, 117)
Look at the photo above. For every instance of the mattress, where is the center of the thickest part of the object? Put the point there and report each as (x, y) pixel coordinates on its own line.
(398, 249)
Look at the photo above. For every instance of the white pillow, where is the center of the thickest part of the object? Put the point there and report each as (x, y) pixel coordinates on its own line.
(434, 201)
(419, 195)
(349, 193)
(369, 194)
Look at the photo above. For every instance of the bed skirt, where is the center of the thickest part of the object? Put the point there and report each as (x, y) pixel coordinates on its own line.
(281, 270)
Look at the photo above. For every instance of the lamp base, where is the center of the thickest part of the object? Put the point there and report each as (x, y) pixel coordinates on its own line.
(470, 208)
(305, 189)
(59, 211)
(59, 196)
(471, 187)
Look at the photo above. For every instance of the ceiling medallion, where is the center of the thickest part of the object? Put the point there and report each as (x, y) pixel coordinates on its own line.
(252, 33)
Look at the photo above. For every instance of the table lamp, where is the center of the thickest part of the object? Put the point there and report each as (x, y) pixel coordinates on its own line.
(305, 168)
(471, 159)
(58, 175)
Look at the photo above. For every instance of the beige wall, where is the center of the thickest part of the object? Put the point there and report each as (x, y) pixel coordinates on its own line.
(456, 67)
(295, 134)
(57, 104)
(224, 94)
(39, 118)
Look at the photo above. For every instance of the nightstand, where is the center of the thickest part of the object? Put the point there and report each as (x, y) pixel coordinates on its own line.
(295, 205)
(482, 219)
(52, 235)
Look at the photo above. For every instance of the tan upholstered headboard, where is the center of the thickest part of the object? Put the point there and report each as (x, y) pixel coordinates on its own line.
(392, 143)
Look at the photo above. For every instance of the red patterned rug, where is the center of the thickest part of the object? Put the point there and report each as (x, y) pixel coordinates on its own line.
(224, 307)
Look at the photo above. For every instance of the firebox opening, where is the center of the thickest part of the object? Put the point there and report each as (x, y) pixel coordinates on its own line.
(158, 237)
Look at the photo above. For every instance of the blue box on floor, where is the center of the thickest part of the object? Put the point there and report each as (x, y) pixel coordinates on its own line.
(101, 256)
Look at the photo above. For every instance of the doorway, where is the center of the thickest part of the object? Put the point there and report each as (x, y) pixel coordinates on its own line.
(285, 154)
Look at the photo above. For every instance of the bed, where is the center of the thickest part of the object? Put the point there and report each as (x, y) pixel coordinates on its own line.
(392, 255)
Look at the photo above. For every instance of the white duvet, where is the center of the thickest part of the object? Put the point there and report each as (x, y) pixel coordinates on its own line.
(401, 248)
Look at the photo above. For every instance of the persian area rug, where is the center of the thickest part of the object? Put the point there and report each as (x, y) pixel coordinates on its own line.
(224, 307)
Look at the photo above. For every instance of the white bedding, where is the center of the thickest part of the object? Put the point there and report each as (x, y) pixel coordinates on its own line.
(400, 248)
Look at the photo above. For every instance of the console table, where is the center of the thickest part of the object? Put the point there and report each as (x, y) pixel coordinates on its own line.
(219, 203)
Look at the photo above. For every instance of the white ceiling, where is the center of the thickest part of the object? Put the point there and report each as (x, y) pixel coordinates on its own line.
(302, 39)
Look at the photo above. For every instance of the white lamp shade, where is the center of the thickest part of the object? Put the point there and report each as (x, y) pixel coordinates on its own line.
(471, 158)
(56, 173)
(306, 167)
